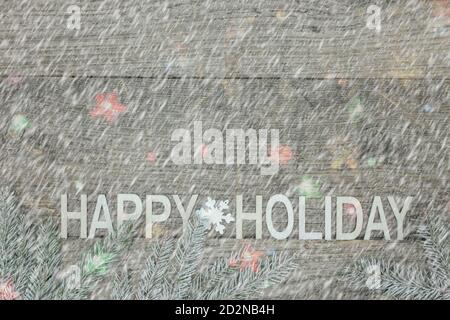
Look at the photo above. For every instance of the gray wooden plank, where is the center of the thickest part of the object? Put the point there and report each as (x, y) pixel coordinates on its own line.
(285, 39)
(65, 145)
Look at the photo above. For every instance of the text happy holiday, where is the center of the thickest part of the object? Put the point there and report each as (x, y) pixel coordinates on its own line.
(213, 213)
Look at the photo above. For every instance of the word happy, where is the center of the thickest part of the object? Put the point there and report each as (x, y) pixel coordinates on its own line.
(377, 212)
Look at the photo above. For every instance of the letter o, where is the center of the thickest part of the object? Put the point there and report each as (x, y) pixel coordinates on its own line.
(287, 203)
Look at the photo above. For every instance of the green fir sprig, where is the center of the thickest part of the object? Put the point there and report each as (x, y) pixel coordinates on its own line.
(173, 271)
(409, 281)
(31, 256)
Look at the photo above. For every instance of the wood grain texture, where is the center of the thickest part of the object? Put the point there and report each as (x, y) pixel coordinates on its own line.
(257, 38)
(317, 276)
(65, 145)
(287, 65)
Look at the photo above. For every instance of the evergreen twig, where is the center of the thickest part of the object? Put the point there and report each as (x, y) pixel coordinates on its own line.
(407, 281)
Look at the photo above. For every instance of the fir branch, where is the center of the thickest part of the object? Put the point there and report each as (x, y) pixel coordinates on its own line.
(211, 278)
(122, 286)
(176, 274)
(30, 256)
(187, 258)
(43, 282)
(402, 282)
(248, 284)
(436, 247)
(17, 237)
(406, 281)
(96, 263)
(153, 279)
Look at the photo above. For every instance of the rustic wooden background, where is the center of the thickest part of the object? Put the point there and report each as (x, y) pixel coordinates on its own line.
(287, 65)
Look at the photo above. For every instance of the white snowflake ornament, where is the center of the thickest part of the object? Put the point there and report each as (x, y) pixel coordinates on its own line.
(212, 213)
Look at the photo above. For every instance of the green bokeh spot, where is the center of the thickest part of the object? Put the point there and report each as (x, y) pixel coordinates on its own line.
(308, 187)
(371, 162)
(19, 123)
(355, 108)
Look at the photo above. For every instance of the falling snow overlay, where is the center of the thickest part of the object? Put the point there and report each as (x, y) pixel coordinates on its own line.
(224, 149)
